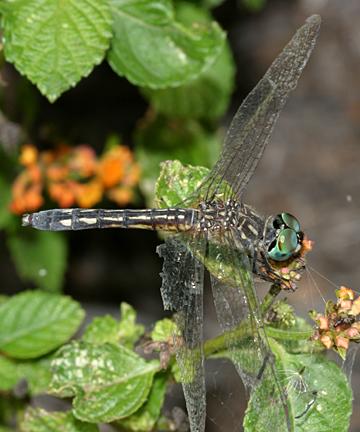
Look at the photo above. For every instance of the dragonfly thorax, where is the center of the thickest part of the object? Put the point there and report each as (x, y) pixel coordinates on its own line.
(218, 215)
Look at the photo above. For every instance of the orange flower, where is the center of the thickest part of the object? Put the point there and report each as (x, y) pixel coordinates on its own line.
(62, 193)
(113, 165)
(120, 195)
(88, 194)
(82, 161)
(28, 155)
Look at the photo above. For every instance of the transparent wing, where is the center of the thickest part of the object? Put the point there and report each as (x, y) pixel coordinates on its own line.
(239, 315)
(253, 123)
(182, 293)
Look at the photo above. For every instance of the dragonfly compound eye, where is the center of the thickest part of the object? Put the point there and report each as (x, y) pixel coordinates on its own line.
(285, 245)
(286, 220)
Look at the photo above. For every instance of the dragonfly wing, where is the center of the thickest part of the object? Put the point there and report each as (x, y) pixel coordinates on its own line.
(239, 315)
(182, 293)
(253, 123)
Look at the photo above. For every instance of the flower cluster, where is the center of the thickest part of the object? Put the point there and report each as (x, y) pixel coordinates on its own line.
(73, 176)
(340, 324)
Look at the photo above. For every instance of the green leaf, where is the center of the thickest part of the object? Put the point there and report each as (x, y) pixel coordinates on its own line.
(5, 194)
(8, 374)
(109, 382)
(254, 5)
(146, 417)
(152, 50)
(107, 329)
(39, 420)
(37, 374)
(206, 97)
(161, 139)
(39, 257)
(163, 330)
(318, 393)
(34, 323)
(56, 43)
(177, 182)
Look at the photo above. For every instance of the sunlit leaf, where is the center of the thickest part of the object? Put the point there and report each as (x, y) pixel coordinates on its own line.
(109, 381)
(56, 43)
(39, 257)
(151, 49)
(176, 182)
(34, 323)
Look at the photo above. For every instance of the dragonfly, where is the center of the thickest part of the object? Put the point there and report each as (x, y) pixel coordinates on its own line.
(214, 228)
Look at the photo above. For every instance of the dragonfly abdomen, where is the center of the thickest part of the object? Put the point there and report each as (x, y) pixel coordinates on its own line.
(170, 219)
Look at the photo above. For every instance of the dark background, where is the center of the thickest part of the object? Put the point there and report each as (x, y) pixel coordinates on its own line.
(311, 169)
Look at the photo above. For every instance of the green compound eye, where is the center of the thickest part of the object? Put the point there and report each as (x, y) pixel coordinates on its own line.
(284, 246)
(291, 221)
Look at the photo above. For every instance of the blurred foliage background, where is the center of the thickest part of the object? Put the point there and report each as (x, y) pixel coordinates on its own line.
(310, 169)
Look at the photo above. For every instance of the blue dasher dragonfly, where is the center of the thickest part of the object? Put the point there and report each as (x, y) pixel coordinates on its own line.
(214, 228)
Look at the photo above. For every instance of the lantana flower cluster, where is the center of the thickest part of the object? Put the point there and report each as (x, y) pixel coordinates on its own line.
(340, 324)
(73, 176)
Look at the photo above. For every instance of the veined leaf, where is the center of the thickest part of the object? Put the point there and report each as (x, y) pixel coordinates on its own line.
(206, 97)
(109, 381)
(39, 257)
(146, 417)
(56, 43)
(34, 323)
(151, 49)
(39, 420)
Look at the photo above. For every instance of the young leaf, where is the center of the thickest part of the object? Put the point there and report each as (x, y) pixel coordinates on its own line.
(146, 417)
(34, 323)
(107, 329)
(55, 43)
(39, 420)
(206, 97)
(109, 381)
(176, 182)
(152, 50)
(39, 257)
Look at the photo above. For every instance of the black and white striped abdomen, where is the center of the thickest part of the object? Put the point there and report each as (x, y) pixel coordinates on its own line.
(170, 219)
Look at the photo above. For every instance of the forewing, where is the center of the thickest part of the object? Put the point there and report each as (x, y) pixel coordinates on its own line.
(253, 123)
(182, 293)
(239, 315)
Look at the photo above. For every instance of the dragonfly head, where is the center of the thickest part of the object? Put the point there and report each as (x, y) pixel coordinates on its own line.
(286, 246)
(288, 238)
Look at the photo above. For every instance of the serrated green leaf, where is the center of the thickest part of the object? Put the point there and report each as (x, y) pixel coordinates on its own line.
(318, 394)
(162, 139)
(56, 43)
(39, 257)
(152, 50)
(177, 182)
(107, 329)
(206, 97)
(146, 417)
(39, 420)
(109, 382)
(34, 323)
